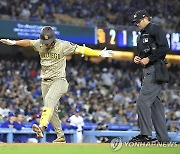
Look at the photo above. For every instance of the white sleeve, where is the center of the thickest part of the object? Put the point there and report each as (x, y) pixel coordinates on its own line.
(72, 121)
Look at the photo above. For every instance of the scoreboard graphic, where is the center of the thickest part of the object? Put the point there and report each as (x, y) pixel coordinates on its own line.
(128, 39)
(111, 38)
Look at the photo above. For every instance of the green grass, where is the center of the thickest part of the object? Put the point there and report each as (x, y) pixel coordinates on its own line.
(82, 149)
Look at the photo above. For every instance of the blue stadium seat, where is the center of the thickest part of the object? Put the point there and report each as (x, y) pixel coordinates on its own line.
(89, 126)
(119, 127)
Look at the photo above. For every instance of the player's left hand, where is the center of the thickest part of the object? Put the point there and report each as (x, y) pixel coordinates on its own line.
(8, 41)
(144, 61)
(106, 53)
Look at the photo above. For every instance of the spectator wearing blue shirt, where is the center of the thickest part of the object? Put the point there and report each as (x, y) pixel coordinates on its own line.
(10, 123)
(20, 138)
(87, 119)
(35, 120)
(65, 123)
(7, 124)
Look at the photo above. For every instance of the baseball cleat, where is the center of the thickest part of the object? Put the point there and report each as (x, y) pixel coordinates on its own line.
(60, 140)
(38, 131)
(141, 138)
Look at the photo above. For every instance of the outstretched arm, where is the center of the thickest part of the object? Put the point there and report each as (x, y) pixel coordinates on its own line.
(85, 51)
(23, 43)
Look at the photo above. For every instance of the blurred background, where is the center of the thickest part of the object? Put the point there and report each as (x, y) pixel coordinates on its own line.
(104, 90)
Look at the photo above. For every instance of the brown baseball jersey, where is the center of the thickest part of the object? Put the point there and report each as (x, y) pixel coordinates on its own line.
(53, 60)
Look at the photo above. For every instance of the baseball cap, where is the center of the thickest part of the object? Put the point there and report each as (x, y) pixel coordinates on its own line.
(140, 15)
(38, 116)
(47, 35)
(10, 114)
(77, 110)
(68, 120)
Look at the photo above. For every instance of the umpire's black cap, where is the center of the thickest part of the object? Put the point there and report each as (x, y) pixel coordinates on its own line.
(140, 15)
(47, 35)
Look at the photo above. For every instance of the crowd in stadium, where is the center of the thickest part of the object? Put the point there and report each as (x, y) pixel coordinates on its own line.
(105, 92)
(101, 13)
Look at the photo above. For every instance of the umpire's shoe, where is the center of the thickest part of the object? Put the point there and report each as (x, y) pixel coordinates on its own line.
(60, 140)
(38, 131)
(141, 139)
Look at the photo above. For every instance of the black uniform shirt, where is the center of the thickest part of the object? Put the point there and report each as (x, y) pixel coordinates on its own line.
(152, 34)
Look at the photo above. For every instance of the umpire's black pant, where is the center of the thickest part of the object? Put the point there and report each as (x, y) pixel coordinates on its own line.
(149, 106)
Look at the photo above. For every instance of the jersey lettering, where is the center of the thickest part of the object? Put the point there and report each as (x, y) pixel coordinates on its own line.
(50, 55)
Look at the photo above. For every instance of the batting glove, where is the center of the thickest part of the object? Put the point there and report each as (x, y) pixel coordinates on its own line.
(106, 53)
(8, 41)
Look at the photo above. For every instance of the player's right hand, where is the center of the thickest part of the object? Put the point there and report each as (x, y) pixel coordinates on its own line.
(137, 59)
(8, 41)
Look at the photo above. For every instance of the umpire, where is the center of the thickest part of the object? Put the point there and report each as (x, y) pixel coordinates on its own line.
(152, 47)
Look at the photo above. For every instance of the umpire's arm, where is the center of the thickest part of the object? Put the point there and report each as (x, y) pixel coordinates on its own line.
(161, 42)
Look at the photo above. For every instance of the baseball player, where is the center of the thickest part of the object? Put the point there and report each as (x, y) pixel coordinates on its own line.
(77, 120)
(53, 54)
